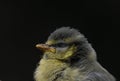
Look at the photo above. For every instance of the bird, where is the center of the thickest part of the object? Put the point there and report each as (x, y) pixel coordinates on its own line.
(68, 56)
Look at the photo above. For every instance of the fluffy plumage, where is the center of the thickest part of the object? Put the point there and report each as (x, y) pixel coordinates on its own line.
(73, 60)
(64, 32)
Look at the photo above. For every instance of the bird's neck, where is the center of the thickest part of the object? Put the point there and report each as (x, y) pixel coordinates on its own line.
(82, 63)
(48, 68)
(52, 62)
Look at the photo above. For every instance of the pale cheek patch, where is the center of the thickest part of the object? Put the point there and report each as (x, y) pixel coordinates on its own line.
(69, 52)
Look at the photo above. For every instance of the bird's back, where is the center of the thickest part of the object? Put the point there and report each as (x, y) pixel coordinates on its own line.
(93, 72)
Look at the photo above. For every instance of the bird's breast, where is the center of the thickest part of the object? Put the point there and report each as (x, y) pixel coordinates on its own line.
(55, 70)
(48, 70)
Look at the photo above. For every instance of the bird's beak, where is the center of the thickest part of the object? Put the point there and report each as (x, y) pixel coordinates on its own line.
(45, 48)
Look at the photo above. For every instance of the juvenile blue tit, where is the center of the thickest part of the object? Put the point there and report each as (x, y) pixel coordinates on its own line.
(67, 56)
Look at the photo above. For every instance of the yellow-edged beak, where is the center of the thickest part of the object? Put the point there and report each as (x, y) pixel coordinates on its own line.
(45, 48)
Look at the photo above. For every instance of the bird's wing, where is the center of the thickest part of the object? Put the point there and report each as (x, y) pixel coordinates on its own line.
(95, 76)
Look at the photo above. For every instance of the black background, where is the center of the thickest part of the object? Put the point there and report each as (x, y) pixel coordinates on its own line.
(25, 23)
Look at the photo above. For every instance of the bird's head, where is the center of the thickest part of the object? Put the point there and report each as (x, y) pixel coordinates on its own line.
(66, 44)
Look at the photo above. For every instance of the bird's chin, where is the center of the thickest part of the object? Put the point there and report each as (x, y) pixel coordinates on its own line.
(49, 55)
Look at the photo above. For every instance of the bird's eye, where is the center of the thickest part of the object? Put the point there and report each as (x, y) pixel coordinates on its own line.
(60, 45)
